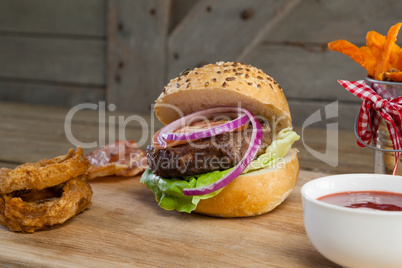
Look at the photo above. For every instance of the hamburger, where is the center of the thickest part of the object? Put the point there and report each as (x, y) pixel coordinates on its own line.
(225, 150)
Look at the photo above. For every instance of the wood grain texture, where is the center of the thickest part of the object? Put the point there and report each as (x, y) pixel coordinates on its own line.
(343, 153)
(216, 30)
(54, 94)
(136, 52)
(307, 72)
(295, 52)
(124, 227)
(345, 113)
(318, 22)
(30, 133)
(178, 11)
(8, 164)
(56, 60)
(41, 17)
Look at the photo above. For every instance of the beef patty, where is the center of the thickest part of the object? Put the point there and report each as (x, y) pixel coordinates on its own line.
(205, 155)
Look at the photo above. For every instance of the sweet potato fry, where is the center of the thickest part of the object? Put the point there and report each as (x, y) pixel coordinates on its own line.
(367, 50)
(375, 43)
(361, 56)
(394, 57)
(381, 56)
(384, 64)
(394, 76)
(398, 64)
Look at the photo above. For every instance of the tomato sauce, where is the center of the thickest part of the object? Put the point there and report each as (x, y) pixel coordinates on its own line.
(378, 200)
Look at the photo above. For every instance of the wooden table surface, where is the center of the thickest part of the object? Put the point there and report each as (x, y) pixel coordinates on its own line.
(125, 227)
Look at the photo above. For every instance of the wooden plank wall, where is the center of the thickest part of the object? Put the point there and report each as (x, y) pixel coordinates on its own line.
(67, 52)
(137, 32)
(293, 48)
(214, 31)
(295, 52)
(53, 52)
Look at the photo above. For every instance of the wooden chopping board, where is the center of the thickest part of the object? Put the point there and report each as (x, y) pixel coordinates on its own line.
(125, 227)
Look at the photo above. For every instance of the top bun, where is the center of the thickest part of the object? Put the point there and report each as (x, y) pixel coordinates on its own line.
(224, 84)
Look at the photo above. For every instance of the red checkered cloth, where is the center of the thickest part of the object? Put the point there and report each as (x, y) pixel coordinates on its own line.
(373, 109)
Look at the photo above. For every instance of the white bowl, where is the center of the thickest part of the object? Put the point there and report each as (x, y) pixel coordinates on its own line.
(353, 237)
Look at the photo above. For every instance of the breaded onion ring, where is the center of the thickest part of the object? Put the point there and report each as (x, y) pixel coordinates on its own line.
(45, 173)
(25, 211)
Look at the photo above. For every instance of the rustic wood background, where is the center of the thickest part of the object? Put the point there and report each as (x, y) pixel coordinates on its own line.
(62, 53)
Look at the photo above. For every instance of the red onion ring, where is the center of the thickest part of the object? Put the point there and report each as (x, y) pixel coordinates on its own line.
(255, 142)
(167, 133)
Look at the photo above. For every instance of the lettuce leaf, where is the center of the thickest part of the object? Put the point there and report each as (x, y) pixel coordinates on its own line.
(279, 148)
(169, 192)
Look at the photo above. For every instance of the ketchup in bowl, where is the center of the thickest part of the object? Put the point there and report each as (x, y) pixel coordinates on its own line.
(379, 200)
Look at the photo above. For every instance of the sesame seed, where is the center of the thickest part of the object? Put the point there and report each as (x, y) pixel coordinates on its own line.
(177, 85)
(225, 71)
(239, 69)
(224, 84)
(206, 83)
(230, 78)
(188, 85)
(239, 73)
(218, 72)
(214, 79)
(185, 72)
(271, 86)
(247, 76)
(259, 77)
(247, 69)
(188, 79)
(234, 70)
(195, 73)
(258, 85)
(249, 83)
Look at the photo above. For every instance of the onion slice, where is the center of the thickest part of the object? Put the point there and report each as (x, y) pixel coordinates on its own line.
(167, 133)
(255, 142)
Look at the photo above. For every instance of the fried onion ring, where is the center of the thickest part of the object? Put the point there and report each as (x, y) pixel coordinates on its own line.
(45, 173)
(25, 211)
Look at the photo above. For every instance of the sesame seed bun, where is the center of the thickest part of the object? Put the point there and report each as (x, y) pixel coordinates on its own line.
(235, 84)
(256, 192)
(224, 84)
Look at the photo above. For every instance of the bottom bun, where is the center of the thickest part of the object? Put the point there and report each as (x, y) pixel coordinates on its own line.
(254, 193)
